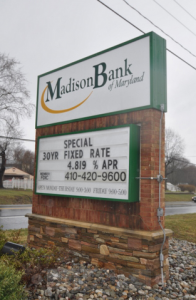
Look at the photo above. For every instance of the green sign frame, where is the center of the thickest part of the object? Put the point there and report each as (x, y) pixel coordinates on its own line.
(158, 78)
(134, 164)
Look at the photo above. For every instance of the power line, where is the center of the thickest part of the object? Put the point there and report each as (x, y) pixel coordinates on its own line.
(12, 138)
(181, 59)
(158, 28)
(184, 10)
(174, 17)
(121, 16)
(144, 33)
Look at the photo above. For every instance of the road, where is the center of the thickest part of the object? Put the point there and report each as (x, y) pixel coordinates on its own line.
(180, 208)
(13, 217)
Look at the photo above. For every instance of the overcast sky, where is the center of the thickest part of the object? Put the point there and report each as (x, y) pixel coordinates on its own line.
(46, 34)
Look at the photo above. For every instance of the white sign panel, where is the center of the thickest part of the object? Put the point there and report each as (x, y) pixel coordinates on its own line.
(113, 81)
(91, 164)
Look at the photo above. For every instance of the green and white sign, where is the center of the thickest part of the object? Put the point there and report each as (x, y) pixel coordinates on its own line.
(129, 76)
(101, 164)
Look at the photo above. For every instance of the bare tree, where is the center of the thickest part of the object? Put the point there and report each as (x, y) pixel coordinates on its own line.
(14, 104)
(14, 96)
(174, 149)
(7, 145)
(25, 158)
(185, 174)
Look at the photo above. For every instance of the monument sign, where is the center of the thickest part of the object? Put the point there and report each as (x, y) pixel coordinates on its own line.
(98, 156)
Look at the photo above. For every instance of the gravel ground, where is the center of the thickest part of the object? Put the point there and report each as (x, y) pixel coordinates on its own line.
(79, 280)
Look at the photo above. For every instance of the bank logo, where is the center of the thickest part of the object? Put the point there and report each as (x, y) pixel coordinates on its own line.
(120, 77)
(52, 111)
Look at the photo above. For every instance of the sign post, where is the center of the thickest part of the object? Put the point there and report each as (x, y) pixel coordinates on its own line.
(97, 131)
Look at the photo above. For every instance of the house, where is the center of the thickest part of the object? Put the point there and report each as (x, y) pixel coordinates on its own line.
(16, 173)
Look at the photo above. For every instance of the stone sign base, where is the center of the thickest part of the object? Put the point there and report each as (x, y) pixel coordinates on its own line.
(129, 252)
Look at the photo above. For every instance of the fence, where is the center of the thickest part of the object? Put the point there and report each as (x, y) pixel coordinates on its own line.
(18, 184)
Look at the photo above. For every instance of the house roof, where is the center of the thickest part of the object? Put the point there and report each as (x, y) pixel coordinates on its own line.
(17, 172)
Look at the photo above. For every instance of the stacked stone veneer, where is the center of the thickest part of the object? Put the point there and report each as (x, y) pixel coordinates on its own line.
(139, 216)
(123, 250)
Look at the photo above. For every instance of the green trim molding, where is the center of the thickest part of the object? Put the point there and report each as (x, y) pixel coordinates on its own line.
(134, 163)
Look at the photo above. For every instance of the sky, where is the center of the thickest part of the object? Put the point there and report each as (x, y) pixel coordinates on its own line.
(46, 34)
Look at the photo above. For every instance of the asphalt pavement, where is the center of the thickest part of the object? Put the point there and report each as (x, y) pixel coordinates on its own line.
(180, 203)
(13, 216)
(180, 208)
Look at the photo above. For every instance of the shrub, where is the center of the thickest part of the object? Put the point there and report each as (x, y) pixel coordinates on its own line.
(187, 187)
(14, 236)
(10, 287)
(3, 238)
(33, 261)
(191, 188)
(39, 258)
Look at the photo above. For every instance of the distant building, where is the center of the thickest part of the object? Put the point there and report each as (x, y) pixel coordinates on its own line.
(172, 188)
(16, 173)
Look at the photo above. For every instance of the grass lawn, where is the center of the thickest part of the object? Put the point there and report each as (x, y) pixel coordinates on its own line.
(183, 226)
(15, 196)
(177, 197)
(18, 236)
